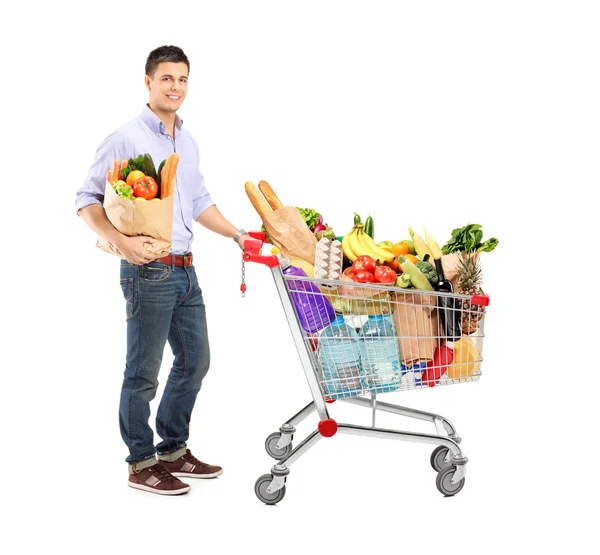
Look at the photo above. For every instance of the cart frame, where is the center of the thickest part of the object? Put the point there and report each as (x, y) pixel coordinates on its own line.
(447, 459)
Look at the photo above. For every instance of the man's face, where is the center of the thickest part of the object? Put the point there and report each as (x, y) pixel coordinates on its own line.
(168, 86)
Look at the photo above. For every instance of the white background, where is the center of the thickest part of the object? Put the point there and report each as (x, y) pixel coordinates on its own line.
(432, 114)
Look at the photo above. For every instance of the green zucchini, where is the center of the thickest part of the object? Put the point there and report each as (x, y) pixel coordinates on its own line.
(356, 218)
(162, 164)
(370, 227)
(417, 278)
(149, 166)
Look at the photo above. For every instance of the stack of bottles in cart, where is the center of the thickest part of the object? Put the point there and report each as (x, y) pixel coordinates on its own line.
(353, 361)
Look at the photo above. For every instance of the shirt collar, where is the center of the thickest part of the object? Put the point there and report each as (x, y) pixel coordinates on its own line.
(154, 122)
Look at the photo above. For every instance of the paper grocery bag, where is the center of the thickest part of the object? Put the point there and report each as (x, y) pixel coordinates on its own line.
(151, 218)
(417, 325)
(290, 234)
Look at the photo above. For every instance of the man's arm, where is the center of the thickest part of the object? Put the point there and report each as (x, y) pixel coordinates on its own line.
(132, 248)
(213, 220)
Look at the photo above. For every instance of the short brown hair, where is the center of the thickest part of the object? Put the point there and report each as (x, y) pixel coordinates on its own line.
(165, 54)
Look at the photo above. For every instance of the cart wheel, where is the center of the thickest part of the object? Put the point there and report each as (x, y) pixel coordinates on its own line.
(443, 482)
(438, 458)
(260, 489)
(270, 446)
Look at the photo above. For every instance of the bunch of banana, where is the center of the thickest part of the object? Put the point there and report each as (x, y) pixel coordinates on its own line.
(358, 243)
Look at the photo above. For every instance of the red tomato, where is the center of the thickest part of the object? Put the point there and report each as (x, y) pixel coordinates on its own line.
(145, 187)
(384, 274)
(349, 274)
(364, 262)
(365, 277)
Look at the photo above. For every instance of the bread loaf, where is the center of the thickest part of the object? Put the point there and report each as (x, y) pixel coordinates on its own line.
(270, 195)
(257, 200)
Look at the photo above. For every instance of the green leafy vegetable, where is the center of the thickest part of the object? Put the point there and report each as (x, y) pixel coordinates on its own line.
(468, 239)
(124, 191)
(137, 164)
(489, 245)
(311, 217)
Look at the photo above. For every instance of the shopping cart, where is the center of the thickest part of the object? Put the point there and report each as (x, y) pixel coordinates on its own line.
(391, 339)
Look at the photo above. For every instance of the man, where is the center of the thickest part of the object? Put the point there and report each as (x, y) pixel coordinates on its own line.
(163, 299)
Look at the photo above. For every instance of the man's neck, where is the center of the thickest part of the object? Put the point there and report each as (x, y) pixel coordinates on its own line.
(168, 118)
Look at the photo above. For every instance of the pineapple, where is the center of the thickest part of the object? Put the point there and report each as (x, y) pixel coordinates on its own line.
(469, 283)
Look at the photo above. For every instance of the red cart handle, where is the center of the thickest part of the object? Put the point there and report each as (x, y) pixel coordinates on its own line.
(252, 250)
(260, 235)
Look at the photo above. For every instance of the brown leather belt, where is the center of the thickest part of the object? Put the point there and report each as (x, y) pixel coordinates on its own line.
(176, 259)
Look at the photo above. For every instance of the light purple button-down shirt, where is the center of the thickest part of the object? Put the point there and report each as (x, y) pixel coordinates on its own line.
(147, 133)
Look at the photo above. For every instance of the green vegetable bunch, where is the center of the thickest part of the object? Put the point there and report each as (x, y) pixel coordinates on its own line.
(428, 270)
(311, 217)
(143, 163)
(468, 239)
(124, 191)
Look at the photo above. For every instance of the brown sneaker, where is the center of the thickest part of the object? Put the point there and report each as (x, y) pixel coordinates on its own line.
(157, 479)
(190, 466)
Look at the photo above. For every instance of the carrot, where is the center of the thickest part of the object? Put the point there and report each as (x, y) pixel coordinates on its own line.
(163, 184)
(116, 170)
(167, 177)
(174, 174)
(109, 177)
(124, 164)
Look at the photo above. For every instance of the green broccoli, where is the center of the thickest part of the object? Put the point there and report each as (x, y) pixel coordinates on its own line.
(428, 270)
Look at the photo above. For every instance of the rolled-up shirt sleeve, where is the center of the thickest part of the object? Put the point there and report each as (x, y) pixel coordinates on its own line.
(202, 198)
(92, 191)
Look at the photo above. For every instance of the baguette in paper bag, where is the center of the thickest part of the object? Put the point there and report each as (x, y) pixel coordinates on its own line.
(286, 226)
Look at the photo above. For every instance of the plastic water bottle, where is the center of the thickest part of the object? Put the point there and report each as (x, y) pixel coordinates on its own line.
(380, 354)
(312, 307)
(339, 354)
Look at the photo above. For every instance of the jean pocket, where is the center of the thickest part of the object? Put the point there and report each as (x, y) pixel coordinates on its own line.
(127, 287)
(155, 272)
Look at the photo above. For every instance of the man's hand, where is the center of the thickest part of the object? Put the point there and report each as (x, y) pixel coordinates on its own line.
(242, 240)
(134, 249)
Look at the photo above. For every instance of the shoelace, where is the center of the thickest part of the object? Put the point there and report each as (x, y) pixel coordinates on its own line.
(189, 457)
(161, 473)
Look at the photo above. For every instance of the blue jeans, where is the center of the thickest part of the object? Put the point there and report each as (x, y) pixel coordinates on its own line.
(163, 303)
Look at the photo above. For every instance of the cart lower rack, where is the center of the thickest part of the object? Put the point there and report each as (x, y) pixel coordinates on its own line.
(358, 340)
